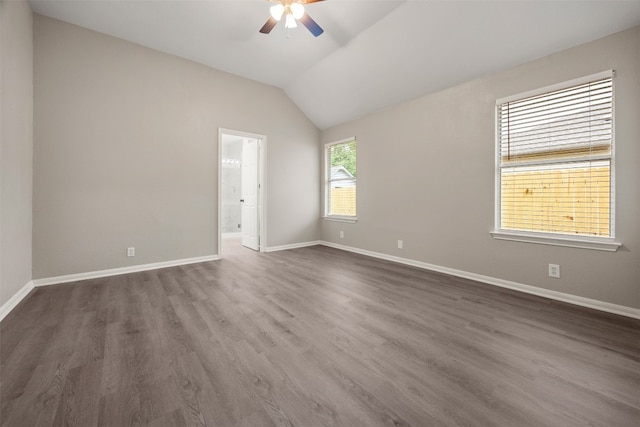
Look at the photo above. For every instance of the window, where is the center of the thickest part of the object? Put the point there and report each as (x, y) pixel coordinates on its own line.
(340, 190)
(555, 163)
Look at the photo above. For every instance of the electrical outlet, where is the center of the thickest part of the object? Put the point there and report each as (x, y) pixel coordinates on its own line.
(341, 234)
(400, 244)
(554, 271)
(131, 251)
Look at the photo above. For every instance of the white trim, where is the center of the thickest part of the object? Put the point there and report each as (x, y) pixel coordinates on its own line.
(293, 246)
(612, 164)
(16, 299)
(577, 162)
(342, 141)
(541, 237)
(533, 290)
(122, 270)
(600, 244)
(554, 295)
(341, 219)
(327, 181)
(262, 184)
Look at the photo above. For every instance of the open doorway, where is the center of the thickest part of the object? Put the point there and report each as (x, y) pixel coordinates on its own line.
(241, 192)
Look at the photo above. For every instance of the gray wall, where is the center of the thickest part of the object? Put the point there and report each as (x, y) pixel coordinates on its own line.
(125, 153)
(426, 175)
(16, 147)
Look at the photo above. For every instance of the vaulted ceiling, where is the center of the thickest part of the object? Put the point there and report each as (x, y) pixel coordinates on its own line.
(373, 53)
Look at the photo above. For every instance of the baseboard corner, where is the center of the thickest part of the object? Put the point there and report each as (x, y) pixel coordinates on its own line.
(16, 299)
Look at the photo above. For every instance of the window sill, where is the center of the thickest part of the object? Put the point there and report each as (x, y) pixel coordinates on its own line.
(600, 244)
(349, 219)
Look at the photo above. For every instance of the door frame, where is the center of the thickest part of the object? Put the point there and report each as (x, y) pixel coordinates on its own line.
(262, 193)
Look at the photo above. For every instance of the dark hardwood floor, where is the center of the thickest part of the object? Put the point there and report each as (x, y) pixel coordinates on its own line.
(311, 337)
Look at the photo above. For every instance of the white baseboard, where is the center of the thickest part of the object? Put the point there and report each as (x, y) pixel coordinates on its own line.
(554, 295)
(123, 270)
(293, 246)
(559, 296)
(15, 299)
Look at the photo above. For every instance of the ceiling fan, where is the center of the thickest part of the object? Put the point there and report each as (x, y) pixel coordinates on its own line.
(292, 10)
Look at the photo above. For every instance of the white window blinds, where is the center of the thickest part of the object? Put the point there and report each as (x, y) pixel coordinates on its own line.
(555, 161)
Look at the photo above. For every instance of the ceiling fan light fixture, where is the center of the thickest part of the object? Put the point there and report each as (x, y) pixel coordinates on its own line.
(277, 11)
(297, 10)
(290, 21)
(292, 11)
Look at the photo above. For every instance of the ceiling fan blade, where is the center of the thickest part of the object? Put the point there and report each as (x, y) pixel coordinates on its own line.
(268, 26)
(311, 25)
(310, 1)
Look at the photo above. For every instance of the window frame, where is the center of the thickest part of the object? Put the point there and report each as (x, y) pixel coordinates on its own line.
(328, 181)
(547, 238)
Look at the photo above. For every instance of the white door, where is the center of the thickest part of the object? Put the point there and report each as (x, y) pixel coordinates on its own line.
(249, 192)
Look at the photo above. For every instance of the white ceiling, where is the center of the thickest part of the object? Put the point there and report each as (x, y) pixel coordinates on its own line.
(373, 53)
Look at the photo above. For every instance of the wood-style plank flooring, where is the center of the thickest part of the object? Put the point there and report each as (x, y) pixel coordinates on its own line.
(311, 337)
